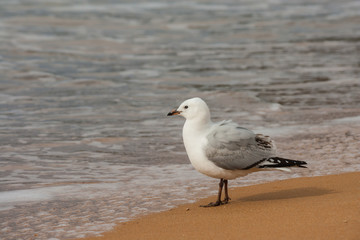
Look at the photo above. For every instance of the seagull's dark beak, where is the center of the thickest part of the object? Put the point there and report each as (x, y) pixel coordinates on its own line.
(173, 112)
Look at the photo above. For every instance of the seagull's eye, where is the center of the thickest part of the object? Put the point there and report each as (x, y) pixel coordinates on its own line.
(186, 107)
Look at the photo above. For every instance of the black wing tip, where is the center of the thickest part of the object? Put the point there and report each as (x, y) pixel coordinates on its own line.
(300, 163)
(277, 162)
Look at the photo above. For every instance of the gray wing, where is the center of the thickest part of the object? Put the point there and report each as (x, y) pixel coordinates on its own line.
(232, 147)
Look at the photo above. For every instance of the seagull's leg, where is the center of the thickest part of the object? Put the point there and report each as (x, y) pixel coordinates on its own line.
(221, 184)
(227, 198)
(218, 201)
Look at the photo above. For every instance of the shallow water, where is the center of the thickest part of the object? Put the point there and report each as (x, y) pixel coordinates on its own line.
(85, 88)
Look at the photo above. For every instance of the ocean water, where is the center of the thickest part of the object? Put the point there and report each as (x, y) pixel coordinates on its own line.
(85, 87)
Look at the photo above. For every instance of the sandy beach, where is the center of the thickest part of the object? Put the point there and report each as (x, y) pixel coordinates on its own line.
(326, 207)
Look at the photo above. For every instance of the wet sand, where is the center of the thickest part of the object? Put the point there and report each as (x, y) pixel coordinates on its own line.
(326, 207)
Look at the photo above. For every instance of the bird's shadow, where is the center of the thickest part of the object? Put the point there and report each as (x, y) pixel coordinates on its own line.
(287, 194)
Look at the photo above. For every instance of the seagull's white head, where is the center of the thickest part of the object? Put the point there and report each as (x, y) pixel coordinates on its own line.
(193, 109)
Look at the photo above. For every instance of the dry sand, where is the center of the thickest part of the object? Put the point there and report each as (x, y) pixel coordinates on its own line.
(326, 207)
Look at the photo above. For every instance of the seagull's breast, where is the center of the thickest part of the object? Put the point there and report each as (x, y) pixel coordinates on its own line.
(194, 141)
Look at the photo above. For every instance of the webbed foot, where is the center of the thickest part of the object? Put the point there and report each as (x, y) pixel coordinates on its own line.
(217, 203)
(212, 204)
(226, 200)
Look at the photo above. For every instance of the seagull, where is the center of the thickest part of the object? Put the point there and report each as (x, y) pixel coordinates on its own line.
(224, 150)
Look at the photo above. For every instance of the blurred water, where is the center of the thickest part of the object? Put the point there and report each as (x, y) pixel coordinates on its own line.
(85, 87)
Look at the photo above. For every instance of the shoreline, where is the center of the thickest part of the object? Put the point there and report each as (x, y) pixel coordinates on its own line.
(324, 207)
